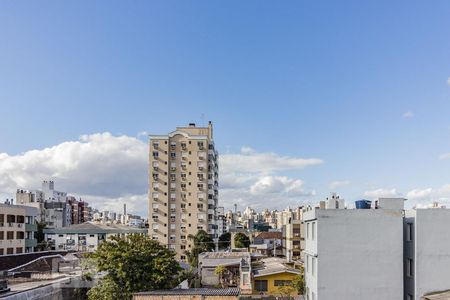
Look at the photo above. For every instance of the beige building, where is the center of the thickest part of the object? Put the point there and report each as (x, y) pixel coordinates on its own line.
(17, 228)
(183, 186)
(293, 240)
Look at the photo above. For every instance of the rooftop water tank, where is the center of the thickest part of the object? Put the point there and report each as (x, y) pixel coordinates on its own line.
(363, 204)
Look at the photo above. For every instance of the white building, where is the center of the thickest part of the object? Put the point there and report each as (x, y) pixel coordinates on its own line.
(427, 252)
(354, 254)
(86, 236)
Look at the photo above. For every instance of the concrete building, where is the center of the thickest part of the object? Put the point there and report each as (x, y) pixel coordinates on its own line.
(17, 229)
(354, 254)
(53, 206)
(293, 240)
(427, 253)
(183, 186)
(86, 236)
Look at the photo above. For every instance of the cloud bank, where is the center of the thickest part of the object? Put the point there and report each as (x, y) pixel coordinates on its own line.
(107, 171)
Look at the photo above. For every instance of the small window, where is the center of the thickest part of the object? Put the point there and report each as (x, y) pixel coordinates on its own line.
(282, 282)
(313, 230)
(409, 232)
(409, 267)
(261, 285)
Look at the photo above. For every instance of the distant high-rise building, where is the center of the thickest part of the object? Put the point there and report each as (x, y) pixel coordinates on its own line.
(183, 182)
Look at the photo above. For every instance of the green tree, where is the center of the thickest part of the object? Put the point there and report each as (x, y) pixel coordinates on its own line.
(132, 264)
(241, 240)
(225, 240)
(40, 236)
(202, 243)
(220, 270)
(298, 283)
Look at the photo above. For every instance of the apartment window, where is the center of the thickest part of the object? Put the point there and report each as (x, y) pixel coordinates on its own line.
(2, 218)
(282, 282)
(307, 263)
(261, 285)
(183, 247)
(172, 177)
(155, 145)
(10, 235)
(200, 206)
(11, 218)
(183, 176)
(2, 235)
(409, 267)
(154, 237)
(409, 232)
(313, 230)
(10, 251)
(155, 154)
(2, 252)
(200, 145)
(182, 257)
(173, 154)
(20, 235)
(20, 219)
(19, 250)
(183, 185)
(313, 266)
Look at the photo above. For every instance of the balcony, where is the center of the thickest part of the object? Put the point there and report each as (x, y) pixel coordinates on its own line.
(30, 242)
(173, 210)
(30, 227)
(155, 209)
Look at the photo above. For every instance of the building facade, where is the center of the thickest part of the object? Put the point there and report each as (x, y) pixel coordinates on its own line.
(354, 254)
(427, 252)
(17, 229)
(293, 241)
(183, 186)
(86, 236)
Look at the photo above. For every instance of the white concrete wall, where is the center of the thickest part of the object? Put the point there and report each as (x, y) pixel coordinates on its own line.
(359, 254)
(432, 251)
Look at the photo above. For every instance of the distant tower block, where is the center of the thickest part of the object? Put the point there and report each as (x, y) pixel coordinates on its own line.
(124, 209)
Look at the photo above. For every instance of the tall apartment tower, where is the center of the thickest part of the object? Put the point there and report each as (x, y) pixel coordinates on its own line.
(183, 186)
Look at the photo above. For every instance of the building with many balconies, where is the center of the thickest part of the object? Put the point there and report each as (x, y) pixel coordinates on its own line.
(183, 186)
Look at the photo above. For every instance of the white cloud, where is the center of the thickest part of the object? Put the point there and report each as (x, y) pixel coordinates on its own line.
(408, 114)
(250, 161)
(107, 170)
(444, 156)
(251, 178)
(380, 193)
(338, 184)
(419, 194)
(99, 166)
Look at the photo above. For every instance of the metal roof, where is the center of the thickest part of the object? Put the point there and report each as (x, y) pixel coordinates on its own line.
(197, 291)
(272, 265)
(91, 227)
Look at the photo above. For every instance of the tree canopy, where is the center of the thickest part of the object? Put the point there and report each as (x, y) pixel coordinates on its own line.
(225, 240)
(202, 243)
(132, 264)
(241, 240)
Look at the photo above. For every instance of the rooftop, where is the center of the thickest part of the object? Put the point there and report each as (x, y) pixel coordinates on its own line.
(438, 296)
(91, 227)
(270, 235)
(272, 265)
(197, 291)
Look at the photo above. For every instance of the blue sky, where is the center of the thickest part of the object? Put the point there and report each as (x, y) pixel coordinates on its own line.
(362, 86)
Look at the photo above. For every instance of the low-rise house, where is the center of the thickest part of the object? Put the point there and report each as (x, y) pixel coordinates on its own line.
(190, 294)
(270, 274)
(267, 243)
(17, 229)
(86, 236)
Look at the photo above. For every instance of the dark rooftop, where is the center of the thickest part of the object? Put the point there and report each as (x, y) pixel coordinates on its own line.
(197, 291)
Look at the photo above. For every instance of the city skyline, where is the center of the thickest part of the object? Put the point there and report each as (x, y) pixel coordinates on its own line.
(306, 98)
